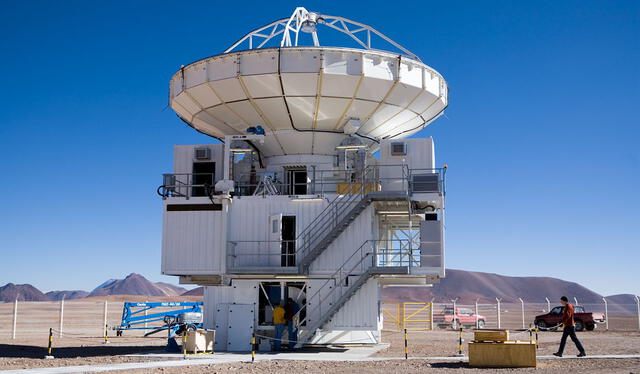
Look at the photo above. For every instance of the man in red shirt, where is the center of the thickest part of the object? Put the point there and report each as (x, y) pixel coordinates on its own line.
(569, 328)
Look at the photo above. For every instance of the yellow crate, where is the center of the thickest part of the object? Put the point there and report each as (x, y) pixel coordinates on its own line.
(510, 354)
(491, 335)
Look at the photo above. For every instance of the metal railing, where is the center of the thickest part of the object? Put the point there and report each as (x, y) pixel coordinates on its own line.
(315, 182)
(339, 286)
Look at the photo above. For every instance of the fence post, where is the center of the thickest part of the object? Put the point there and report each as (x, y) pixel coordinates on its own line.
(61, 317)
(548, 304)
(477, 320)
(522, 310)
(15, 319)
(638, 306)
(498, 312)
(606, 314)
(455, 312)
(431, 315)
(145, 313)
(104, 320)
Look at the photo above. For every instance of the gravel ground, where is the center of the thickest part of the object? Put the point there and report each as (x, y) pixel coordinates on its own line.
(22, 354)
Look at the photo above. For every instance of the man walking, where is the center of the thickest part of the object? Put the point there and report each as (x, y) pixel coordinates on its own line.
(569, 328)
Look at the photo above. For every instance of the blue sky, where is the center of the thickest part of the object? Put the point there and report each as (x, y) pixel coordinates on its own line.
(541, 134)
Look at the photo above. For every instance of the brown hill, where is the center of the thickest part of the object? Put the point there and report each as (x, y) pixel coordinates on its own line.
(198, 291)
(136, 284)
(21, 292)
(170, 289)
(67, 295)
(468, 286)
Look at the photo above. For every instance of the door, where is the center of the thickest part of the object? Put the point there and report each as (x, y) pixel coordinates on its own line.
(275, 240)
(288, 233)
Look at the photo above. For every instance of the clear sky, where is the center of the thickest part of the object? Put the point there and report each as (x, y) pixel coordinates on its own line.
(541, 135)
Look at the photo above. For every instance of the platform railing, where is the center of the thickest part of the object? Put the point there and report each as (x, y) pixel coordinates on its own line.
(317, 182)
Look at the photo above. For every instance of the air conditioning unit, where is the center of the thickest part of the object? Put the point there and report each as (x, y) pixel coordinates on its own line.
(398, 149)
(202, 154)
(426, 183)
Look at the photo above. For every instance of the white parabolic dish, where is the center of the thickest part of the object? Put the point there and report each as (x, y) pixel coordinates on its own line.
(304, 96)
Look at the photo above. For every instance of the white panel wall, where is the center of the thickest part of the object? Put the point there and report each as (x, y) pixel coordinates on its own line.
(361, 312)
(190, 245)
(183, 158)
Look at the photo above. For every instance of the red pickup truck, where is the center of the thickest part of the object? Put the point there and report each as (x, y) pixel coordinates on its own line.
(463, 317)
(581, 317)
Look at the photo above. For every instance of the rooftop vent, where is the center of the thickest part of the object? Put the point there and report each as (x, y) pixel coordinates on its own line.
(398, 149)
(202, 154)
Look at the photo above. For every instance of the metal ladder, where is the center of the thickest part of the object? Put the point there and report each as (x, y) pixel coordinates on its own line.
(340, 287)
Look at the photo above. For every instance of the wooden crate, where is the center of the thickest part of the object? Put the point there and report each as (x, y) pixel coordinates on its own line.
(199, 341)
(510, 354)
(491, 335)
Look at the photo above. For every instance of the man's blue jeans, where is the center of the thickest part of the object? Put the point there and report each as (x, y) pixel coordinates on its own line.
(293, 335)
(570, 331)
(278, 338)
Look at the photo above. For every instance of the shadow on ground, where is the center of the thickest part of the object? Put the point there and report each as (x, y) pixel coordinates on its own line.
(30, 351)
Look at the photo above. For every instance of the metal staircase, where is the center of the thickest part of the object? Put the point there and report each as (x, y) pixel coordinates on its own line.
(339, 214)
(340, 287)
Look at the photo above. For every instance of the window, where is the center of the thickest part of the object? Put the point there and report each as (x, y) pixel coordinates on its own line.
(296, 181)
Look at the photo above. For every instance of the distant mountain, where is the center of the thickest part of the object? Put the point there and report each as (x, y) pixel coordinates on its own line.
(136, 284)
(67, 295)
(622, 304)
(21, 292)
(468, 286)
(198, 291)
(170, 289)
(104, 284)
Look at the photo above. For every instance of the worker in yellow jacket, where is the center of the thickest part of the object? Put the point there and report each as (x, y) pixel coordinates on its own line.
(280, 324)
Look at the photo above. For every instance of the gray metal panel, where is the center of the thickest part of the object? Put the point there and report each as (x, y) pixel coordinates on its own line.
(240, 327)
(431, 244)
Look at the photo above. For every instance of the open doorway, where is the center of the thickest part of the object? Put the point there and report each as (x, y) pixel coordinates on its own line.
(203, 174)
(272, 293)
(288, 247)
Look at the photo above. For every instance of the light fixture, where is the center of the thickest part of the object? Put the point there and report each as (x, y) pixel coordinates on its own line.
(353, 146)
(309, 198)
(239, 146)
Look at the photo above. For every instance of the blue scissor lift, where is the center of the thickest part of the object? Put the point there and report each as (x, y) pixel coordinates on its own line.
(187, 317)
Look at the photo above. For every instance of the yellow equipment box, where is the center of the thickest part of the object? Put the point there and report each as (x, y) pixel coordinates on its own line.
(491, 335)
(354, 188)
(199, 341)
(510, 354)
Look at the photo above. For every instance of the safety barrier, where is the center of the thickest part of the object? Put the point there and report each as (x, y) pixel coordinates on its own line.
(411, 316)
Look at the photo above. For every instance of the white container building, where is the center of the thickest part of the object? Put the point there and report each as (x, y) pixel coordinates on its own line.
(315, 192)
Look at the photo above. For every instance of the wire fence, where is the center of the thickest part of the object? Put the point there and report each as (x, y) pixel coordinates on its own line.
(68, 318)
(505, 315)
(88, 318)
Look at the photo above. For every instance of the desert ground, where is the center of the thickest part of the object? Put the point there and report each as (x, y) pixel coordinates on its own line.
(28, 352)
(82, 343)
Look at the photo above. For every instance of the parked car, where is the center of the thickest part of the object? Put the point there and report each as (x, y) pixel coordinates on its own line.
(583, 319)
(463, 317)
